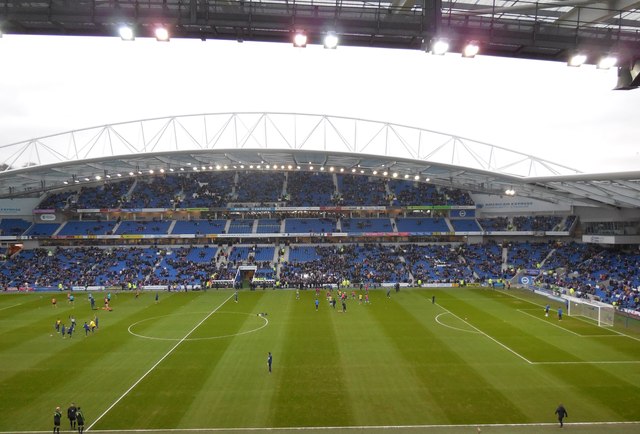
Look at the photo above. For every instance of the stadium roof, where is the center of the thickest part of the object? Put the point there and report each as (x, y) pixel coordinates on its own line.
(289, 141)
(528, 29)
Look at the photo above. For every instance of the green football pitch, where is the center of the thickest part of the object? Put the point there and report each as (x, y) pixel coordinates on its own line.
(476, 360)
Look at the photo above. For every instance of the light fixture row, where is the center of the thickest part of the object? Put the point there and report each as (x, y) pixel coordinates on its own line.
(440, 46)
(437, 46)
(331, 169)
(127, 33)
(330, 40)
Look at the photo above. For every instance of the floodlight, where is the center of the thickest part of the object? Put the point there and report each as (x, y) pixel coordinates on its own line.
(439, 46)
(471, 49)
(331, 40)
(607, 62)
(126, 33)
(300, 40)
(417, 177)
(162, 34)
(98, 177)
(577, 59)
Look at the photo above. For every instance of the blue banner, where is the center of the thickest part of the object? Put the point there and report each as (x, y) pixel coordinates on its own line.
(462, 213)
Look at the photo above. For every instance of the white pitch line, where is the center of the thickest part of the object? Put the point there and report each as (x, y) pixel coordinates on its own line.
(575, 317)
(332, 428)
(452, 327)
(552, 324)
(486, 335)
(157, 363)
(9, 307)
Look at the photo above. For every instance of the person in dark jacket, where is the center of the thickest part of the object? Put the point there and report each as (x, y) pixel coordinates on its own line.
(562, 413)
(80, 420)
(71, 414)
(56, 420)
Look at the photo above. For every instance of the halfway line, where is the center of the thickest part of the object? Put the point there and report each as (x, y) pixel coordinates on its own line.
(157, 363)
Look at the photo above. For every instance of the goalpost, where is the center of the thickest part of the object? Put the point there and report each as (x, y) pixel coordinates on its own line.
(601, 312)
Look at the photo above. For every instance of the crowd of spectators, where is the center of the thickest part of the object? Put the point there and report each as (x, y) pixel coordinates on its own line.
(259, 187)
(58, 201)
(609, 275)
(494, 224)
(205, 190)
(310, 189)
(360, 190)
(536, 223)
(368, 264)
(107, 195)
(156, 192)
(217, 189)
(436, 263)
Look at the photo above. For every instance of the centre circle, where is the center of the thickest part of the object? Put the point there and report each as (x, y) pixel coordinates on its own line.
(259, 325)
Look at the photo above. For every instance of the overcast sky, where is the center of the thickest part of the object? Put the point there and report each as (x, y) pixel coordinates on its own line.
(567, 115)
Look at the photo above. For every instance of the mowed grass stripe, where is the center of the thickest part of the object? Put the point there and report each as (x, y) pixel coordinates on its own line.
(526, 387)
(553, 380)
(239, 391)
(309, 378)
(159, 399)
(384, 387)
(92, 371)
(582, 339)
(81, 369)
(521, 334)
(452, 383)
(370, 343)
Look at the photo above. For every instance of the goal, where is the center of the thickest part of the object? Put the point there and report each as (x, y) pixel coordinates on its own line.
(601, 312)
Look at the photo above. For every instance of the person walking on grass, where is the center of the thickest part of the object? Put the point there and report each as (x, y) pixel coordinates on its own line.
(71, 414)
(57, 416)
(561, 412)
(80, 420)
(269, 361)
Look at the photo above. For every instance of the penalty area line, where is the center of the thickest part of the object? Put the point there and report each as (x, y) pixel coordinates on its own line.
(184, 338)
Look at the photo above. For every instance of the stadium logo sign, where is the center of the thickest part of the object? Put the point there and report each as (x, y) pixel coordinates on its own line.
(47, 217)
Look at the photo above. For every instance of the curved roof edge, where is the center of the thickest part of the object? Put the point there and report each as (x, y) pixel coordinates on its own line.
(265, 130)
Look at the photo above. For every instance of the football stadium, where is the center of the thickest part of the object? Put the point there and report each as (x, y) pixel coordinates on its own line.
(272, 272)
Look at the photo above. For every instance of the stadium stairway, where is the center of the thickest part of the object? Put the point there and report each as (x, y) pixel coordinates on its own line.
(449, 225)
(171, 226)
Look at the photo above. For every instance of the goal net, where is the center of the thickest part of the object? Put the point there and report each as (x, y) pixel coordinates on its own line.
(602, 313)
